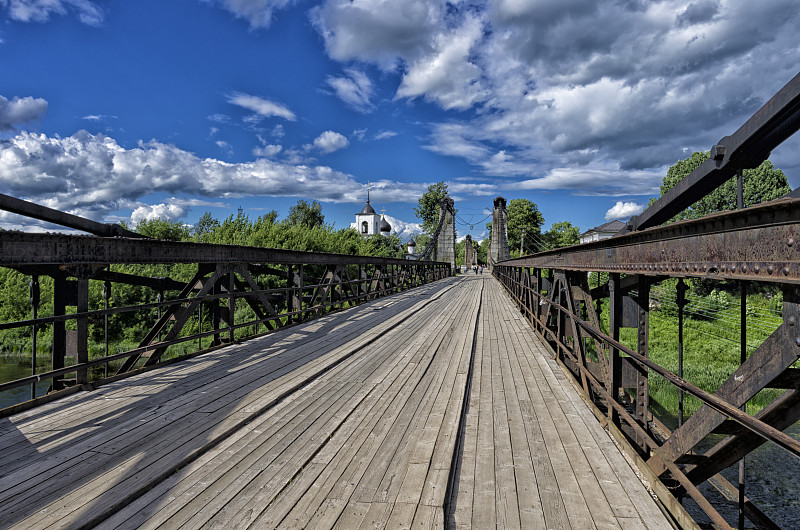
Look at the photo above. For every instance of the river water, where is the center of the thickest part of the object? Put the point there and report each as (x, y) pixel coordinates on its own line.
(11, 371)
(772, 482)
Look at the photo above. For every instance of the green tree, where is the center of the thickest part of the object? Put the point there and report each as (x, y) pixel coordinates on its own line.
(427, 208)
(523, 215)
(763, 183)
(561, 235)
(164, 229)
(305, 214)
(205, 225)
(483, 250)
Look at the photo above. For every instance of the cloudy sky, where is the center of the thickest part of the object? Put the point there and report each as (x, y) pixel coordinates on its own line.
(122, 110)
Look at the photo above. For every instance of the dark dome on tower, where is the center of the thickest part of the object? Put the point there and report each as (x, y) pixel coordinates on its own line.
(367, 210)
(385, 226)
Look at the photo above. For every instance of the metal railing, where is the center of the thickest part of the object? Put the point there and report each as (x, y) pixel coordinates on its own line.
(233, 292)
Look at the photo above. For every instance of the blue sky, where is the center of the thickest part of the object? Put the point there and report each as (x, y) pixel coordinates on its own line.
(128, 110)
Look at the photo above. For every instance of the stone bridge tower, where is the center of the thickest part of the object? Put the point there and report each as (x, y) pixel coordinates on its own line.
(446, 244)
(498, 245)
(469, 259)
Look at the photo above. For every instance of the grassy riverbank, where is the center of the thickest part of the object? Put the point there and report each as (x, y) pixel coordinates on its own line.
(711, 338)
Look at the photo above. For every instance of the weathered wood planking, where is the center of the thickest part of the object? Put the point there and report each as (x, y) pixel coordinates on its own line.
(349, 421)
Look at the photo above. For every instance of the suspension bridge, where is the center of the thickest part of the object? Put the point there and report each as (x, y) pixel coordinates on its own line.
(376, 392)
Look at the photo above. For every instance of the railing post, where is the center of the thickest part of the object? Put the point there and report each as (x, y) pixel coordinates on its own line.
(537, 287)
(294, 301)
(215, 314)
(231, 305)
(60, 286)
(35, 299)
(615, 365)
(681, 301)
(106, 300)
(82, 353)
(742, 359)
(642, 342)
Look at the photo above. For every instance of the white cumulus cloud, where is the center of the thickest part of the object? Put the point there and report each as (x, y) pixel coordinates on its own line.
(95, 177)
(631, 87)
(257, 12)
(624, 210)
(448, 74)
(385, 135)
(262, 107)
(354, 88)
(330, 141)
(40, 10)
(17, 111)
(170, 212)
(267, 151)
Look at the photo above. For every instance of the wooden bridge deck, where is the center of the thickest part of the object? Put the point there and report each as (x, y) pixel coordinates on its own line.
(353, 420)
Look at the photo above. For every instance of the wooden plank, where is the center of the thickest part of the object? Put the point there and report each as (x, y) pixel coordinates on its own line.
(624, 491)
(483, 509)
(530, 399)
(263, 496)
(377, 516)
(336, 463)
(71, 477)
(531, 513)
(249, 428)
(462, 512)
(506, 487)
(633, 494)
(294, 464)
(352, 516)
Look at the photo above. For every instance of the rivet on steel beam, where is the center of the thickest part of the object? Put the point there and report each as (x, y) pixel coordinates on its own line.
(792, 320)
(797, 340)
(790, 242)
(704, 268)
(770, 269)
(744, 268)
(733, 268)
(756, 268)
(695, 267)
(786, 270)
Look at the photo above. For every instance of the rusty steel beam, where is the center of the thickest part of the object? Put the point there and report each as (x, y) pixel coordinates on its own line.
(750, 145)
(761, 243)
(43, 213)
(20, 249)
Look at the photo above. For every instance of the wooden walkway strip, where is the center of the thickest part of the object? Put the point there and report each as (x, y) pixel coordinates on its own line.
(367, 418)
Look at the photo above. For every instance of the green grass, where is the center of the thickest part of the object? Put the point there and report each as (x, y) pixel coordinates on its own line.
(711, 350)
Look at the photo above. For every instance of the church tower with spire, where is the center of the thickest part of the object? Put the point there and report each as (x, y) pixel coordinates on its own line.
(369, 223)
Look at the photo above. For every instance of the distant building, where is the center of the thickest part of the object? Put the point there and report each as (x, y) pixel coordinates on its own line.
(412, 249)
(601, 232)
(369, 223)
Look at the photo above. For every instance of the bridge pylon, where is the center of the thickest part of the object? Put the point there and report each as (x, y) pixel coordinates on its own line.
(498, 245)
(469, 258)
(446, 242)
